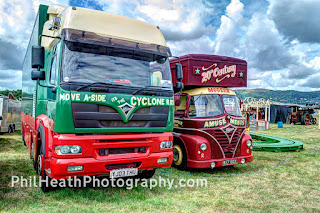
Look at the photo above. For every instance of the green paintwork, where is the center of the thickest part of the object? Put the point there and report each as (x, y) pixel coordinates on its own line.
(273, 143)
(58, 106)
(65, 98)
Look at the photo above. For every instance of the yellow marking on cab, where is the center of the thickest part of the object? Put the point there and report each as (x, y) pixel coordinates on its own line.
(210, 90)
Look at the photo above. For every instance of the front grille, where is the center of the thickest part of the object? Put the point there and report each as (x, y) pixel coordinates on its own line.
(227, 143)
(100, 116)
(122, 151)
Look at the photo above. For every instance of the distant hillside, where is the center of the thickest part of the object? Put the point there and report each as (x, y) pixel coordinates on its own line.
(283, 96)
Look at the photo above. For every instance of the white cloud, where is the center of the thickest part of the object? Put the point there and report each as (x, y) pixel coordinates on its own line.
(228, 38)
(203, 45)
(315, 63)
(235, 10)
(10, 79)
(297, 19)
(277, 45)
(159, 14)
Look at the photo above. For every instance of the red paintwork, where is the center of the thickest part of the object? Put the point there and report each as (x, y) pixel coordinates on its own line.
(191, 131)
(191, 62)
(94, 164)
(192, 134)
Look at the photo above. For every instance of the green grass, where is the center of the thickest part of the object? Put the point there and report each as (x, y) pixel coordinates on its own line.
(292, 186)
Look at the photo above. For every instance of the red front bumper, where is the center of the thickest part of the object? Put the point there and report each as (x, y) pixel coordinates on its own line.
(94, 164)
(206, 164)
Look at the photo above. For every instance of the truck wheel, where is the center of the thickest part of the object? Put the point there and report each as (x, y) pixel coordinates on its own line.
(24, 142)
(179, 157)
(305, 119)
(40, 165)
(13, 128)
(9, 129)
(40, 170)
(34, 163)
(146, 174)
(314, 121)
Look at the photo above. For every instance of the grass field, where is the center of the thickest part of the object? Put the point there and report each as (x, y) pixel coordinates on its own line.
(293, 186)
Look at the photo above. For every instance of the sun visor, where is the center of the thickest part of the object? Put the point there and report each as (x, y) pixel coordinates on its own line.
(92, 38)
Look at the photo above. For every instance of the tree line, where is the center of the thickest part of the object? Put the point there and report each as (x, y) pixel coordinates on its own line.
(16, 93)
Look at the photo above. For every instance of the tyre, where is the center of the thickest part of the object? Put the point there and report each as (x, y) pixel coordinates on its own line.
(305, 119)
(24, 142)
(146, 174)
(13, 129)
(9, 129)
(314, 121)
(179, 156)
(40, 168)
(34, 163)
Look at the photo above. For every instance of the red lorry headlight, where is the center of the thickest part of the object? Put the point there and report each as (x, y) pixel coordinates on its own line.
(67, 149)
(203, 146)
(249, 143)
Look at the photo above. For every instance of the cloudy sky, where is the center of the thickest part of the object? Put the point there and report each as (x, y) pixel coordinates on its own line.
(280, 39)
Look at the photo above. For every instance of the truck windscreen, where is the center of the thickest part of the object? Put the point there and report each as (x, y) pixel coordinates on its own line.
(90, 63)
(211, 105)
(205, 106)
(231, 105)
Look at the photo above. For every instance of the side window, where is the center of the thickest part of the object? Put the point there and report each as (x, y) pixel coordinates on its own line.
(180, 110)
(55, 64)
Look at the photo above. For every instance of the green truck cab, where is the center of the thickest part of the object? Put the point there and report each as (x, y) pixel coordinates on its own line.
(97, 95)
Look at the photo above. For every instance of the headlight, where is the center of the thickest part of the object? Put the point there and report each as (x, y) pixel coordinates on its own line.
(75, 149)
(249, 143)
(203, 146)
(212, 165)
(67, 149)
(166, 144)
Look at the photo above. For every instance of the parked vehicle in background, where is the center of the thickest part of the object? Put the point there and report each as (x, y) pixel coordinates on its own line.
(209, 130)
(10, 110)
(302, 114)
(101, 100)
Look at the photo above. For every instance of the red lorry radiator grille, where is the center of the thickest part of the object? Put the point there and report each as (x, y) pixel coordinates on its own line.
(228, 143)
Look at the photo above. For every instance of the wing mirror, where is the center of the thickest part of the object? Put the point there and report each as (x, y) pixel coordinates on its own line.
(37, 61)
(0, 117)
(179, 71)
(179, 85)
(38, 75)
(37, 57)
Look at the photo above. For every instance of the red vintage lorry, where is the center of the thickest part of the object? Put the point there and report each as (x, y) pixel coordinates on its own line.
(209, 130)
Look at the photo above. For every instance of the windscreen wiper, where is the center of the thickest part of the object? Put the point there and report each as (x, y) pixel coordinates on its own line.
(143, 88)
(100, 83)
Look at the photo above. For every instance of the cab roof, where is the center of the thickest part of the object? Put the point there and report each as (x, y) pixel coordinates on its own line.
(106, 24)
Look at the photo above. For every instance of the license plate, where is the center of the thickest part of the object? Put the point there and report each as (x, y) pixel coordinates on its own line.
(123, 172)
(228, 162)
